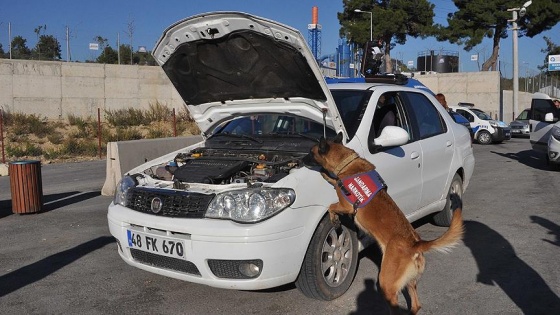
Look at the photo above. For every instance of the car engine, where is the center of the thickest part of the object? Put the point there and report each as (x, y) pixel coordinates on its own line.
(220, 166)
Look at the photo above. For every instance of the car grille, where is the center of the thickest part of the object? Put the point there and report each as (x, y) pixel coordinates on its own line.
(164, 262)
(517, 127)
(174, 203)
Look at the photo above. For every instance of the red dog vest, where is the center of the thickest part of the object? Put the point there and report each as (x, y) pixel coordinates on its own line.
(359, 189)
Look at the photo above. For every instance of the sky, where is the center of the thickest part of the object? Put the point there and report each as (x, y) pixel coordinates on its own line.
(86, 20)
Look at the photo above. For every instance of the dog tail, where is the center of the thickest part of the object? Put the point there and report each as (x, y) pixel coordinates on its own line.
(449, 239)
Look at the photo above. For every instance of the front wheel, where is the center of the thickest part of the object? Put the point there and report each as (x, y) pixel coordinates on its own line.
(443, 218)
(330, 263)
(484, 137)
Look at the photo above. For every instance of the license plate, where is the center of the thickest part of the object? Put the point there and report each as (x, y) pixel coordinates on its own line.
(516, 131)
(156, 244)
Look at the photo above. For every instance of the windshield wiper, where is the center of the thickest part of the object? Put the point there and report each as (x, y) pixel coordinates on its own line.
(235, 135)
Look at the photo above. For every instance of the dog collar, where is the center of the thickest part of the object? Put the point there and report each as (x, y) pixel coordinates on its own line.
(349, 159)
(359, 189)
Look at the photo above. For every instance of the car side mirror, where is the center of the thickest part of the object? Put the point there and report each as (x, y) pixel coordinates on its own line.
(549, 117)
(391, 136)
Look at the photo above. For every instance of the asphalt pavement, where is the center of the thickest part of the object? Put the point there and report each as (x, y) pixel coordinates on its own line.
(64, 261)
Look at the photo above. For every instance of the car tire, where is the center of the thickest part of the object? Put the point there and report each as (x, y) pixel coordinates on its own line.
(484, 137)
(443, 218)
(330, 263)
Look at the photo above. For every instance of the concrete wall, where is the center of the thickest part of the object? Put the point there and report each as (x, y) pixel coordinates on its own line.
(479, 88)
(56, 89)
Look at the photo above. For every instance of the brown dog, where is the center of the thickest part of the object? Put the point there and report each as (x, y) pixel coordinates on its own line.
(403, 260)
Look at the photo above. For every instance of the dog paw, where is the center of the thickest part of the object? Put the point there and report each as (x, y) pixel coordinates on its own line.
(335, 220)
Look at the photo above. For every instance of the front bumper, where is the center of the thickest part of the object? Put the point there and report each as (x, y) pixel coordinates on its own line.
(211, 245)
(520, 131)
(553, 150)
(501, 134)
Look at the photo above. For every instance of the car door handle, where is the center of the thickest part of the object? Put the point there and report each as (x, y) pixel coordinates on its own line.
(414, 155)
(448, 143)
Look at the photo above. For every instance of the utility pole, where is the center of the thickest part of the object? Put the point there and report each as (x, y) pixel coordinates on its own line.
(67, 44)
(119, 48)
(10, 37)
(513, 21)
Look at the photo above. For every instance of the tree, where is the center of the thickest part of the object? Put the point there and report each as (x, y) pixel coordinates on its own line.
(393, 21)
(108, 55)
(47, 48)
(551, 49)
(20, 49)
(2, 54)
(476, 20)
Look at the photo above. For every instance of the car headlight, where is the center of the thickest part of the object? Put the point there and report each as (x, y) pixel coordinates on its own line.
(555, 132)
(250, 205)
(121, 191)
(493, 123)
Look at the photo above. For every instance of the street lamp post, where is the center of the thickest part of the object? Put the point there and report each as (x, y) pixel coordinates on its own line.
(513, 21)
(370, 21)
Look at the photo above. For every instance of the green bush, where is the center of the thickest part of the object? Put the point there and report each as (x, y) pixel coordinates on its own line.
(25, 149)
(158, 112)
(158, 132)
(126, 117)
(55, 137)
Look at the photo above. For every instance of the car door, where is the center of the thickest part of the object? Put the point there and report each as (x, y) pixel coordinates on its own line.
(400, 167)
(437, 143)
(540, 128)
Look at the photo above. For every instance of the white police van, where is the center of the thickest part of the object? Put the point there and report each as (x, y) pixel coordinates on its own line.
(545, 128)
(486, 130)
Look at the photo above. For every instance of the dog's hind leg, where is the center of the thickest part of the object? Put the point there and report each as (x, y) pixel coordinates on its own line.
(413, 292)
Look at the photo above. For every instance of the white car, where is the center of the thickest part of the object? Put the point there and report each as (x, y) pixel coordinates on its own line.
(545, 128)
(486, 130)
(239, 210)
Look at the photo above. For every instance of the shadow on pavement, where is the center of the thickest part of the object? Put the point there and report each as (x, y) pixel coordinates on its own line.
(552, 227)
(53, 201)
(530, 158)
(498, 264)
(36, 271)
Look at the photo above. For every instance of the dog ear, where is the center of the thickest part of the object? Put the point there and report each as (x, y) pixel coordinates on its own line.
(323, 146)
(338, 138)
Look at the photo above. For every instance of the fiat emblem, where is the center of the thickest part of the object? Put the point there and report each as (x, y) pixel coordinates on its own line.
(157, 204)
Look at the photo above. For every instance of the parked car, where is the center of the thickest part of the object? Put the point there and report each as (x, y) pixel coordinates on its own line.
(461, 120)
(520, 126)
(545, 128)
(239, 210)
(486, 130)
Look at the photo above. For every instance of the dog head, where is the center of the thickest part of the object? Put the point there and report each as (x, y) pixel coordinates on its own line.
(327, 153)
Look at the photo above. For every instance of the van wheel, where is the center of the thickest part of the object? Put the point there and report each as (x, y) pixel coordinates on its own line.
(484, 137)
(330, 263)
(443, 218)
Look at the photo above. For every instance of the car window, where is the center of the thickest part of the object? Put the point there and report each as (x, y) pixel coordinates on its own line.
(540, 107)
(389, 111)
(272, 124)
(466, 114)
(480, 114)
(524, 115)
(425, 118)
(351, 105)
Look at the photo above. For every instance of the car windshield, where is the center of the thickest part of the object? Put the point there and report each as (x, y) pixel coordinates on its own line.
(255, 126)
(480, 114)
(351, 105)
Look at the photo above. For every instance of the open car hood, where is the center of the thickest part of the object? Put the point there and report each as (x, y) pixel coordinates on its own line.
(225, 64)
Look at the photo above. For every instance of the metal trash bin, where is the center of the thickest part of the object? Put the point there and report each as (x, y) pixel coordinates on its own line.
(26, 186)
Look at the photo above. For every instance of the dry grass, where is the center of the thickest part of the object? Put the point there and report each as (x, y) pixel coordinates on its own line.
(29, 136)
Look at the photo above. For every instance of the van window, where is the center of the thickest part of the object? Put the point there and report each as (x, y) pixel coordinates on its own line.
(540, 107)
